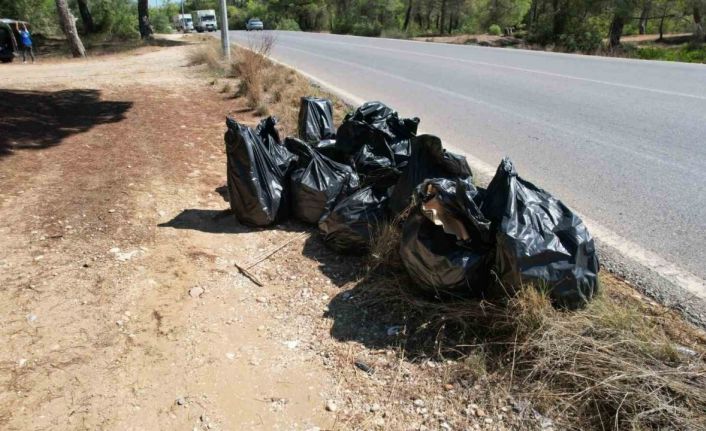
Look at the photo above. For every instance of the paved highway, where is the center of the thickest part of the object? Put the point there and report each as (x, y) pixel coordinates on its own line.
(621, 141)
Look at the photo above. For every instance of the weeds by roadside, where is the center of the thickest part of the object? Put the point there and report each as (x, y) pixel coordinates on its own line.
(206, 54)
(620, 363)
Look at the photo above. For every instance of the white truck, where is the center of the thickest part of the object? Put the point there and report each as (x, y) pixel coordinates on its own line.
(183, 22)
(205, 20)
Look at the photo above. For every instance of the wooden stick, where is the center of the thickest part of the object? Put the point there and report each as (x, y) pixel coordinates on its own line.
(276, 249)
(245, 270)
(249, 275)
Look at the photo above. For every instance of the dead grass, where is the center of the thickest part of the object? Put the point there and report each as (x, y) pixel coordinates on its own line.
(208, 54)
(620, 363)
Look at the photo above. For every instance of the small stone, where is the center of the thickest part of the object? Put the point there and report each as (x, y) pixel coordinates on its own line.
(480, 413)
(331, 406)
(230, 355)
(196, 292)
(380, 422)
(291, 345)
(261, 299)
(445, 426)
(448, 386)
(419, 402)
(488, 420)
(22, 362)
(180, 401)
(111, 210)
(375, 407)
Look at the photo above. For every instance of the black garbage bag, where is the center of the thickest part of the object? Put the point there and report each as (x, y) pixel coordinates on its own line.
(428, 160)
(350, 225)
(446, 243)
(327, 147)
(317, 182)
(316, 119)
(374, 137)
(539, 240)
(258, 165)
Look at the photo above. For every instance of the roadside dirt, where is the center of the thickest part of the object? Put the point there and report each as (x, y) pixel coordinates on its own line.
(121, 307)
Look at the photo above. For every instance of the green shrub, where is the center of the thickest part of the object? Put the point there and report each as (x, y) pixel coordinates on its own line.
(288, 24)
(160, 23)
(395, 33)
(685, 54)
(584, 40)
(117, 18)
(495, 30)
(366, 28)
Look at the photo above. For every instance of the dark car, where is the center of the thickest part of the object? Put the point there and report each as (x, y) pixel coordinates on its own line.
(8, 39)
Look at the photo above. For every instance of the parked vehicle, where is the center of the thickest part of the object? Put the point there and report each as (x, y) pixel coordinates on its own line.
(205, 20)
(183, 22)
(254, 24)
(9, 38)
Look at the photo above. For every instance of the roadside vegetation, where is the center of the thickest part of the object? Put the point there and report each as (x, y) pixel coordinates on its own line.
(595, 27)
(622, 363)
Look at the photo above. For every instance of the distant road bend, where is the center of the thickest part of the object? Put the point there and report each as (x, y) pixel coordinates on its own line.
(621, 141)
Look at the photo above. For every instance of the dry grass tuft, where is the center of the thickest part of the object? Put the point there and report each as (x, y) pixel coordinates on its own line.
(249, 67)
(207, 53)
(270, 88)
(620, 363)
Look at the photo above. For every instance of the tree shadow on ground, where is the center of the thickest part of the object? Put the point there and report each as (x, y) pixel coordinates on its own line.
(34, 120)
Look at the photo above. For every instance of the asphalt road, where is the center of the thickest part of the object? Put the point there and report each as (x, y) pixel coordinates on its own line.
(621, 141)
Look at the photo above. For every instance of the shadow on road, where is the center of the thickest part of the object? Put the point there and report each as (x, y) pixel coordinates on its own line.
(34, 120)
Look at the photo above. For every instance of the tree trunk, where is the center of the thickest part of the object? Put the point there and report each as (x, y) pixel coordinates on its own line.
(644, 16)
(532, 16)
(616, 31)
(443, 16)
(407, 16)
(143, 16)
(698, 26)
(86, 17)
(559, 21)
(68, 26)
(661, 28)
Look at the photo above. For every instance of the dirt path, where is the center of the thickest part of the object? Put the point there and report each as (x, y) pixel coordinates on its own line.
(120, 305)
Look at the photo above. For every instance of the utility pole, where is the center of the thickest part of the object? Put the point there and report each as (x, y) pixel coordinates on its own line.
(183, 20)
(225, 37)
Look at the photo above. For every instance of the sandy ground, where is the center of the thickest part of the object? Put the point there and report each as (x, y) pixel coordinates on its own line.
(120, 305)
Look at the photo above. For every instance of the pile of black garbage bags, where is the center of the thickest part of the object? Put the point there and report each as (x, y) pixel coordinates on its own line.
(458, 240)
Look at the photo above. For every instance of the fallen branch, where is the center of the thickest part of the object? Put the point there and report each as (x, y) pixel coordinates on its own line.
(267, 254)
(249, 275)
